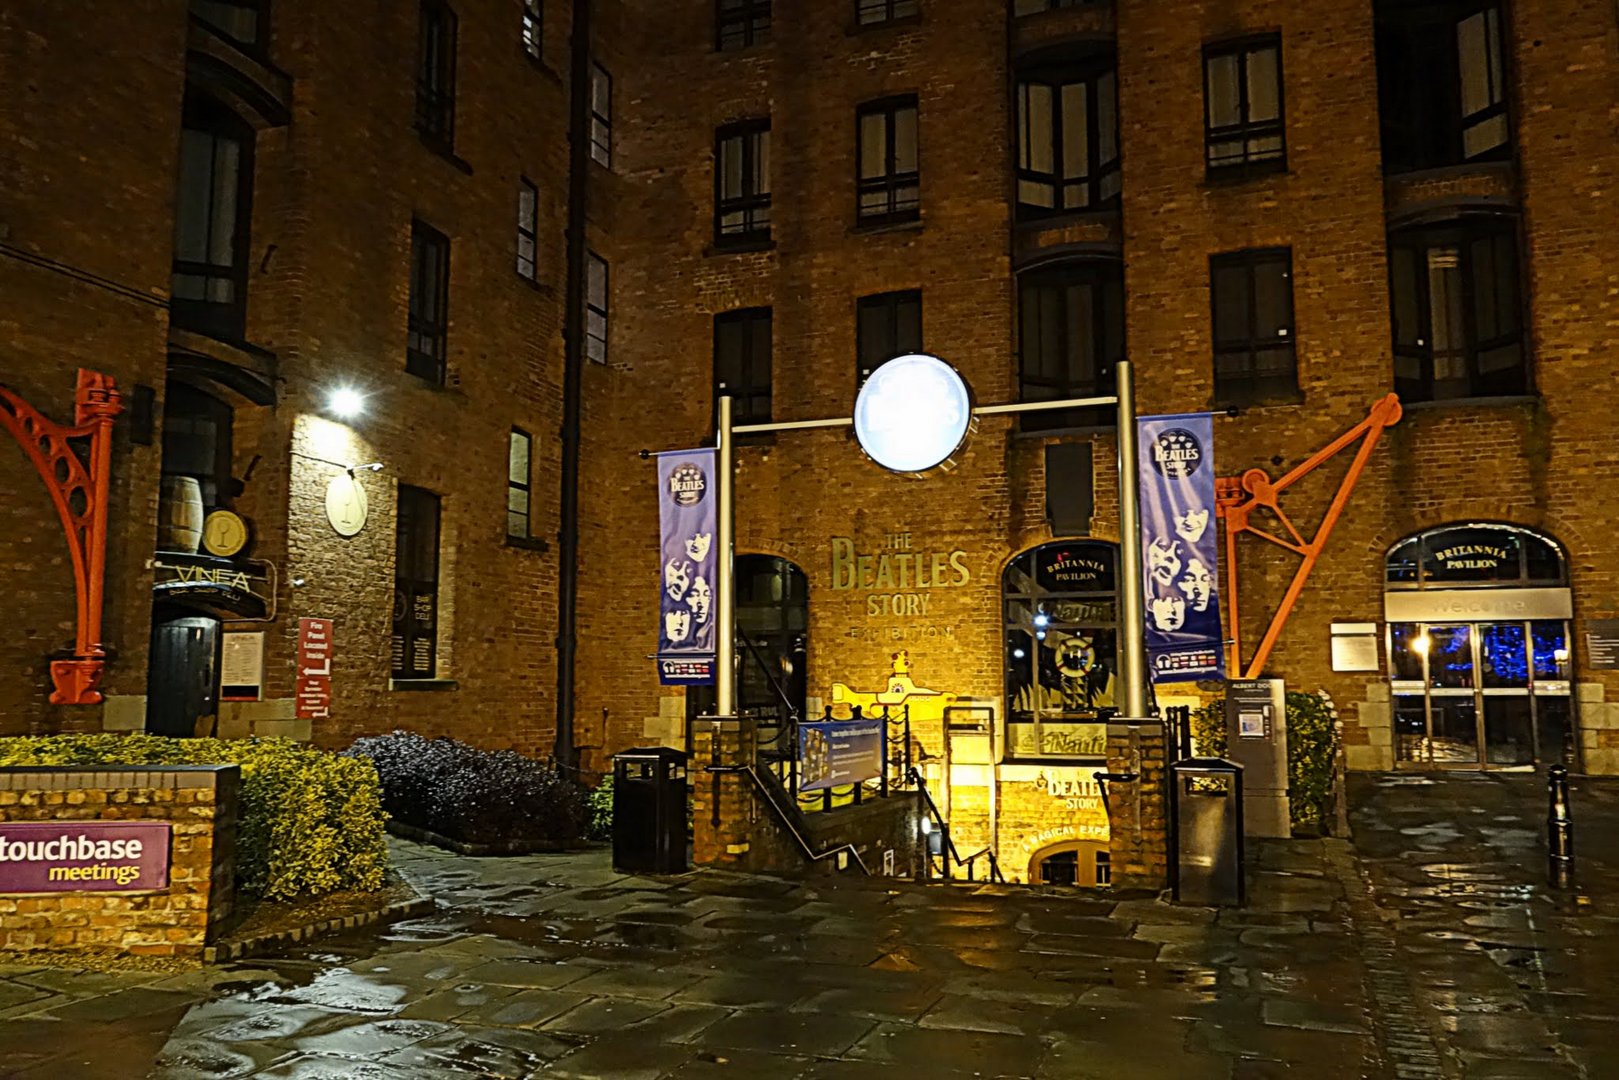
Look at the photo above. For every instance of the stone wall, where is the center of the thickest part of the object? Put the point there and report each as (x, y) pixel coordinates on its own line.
(200, 804)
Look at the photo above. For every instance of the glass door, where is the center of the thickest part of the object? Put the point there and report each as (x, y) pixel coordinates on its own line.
(1471, 695)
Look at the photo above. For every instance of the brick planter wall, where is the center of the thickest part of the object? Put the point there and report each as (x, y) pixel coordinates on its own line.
(199, 802)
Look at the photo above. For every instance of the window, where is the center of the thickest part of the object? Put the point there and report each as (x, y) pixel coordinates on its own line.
(197, 430)
(208, 288)
(740, 23)
(742, 363)
(533, 29)
(742, 183)
(1457, 311)
(887, 325)
(518, 454)
(528, 227)
(1070, 336)
(871, 12)
(888, 184)
(415, 629)
(1243, 128)
(1068, 138)
(435, 75)
(429, 302)
(596, 309)
(1061, 634)
(1034, 7)
(244, 22)
(1255, 358)
(601, 116)
(1441, 83)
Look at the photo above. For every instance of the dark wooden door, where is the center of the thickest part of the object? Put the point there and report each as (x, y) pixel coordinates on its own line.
(182, 685)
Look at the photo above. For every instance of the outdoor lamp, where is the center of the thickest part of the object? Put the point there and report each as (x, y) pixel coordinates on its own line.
(345, 402)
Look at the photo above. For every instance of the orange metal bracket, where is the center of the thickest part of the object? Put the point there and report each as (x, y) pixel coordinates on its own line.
(1237, 499)
(78, 487)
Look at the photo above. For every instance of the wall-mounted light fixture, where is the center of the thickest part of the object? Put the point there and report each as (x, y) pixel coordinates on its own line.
(345, 402)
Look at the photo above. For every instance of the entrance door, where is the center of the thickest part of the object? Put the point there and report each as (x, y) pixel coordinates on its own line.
(182, 683)
(1484, 694)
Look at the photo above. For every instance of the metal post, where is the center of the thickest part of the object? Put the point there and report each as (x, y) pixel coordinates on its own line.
(1559, 830)
(725, 593)
(1132, 652)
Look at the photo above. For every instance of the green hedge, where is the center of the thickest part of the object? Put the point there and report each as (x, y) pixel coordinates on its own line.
(1312, 748)
(310, 822)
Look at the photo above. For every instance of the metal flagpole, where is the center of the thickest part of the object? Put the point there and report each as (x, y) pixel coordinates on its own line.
(725, 593)
(1132, 651)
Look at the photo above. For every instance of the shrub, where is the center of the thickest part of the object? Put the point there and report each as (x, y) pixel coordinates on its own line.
(1312, 749)
(601, 809)
(474, 796)
(309, 822)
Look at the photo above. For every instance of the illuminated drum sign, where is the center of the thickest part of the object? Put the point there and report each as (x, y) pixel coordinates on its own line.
(913, 413)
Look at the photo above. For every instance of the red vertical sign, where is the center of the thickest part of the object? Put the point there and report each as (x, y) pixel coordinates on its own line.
(314, 686)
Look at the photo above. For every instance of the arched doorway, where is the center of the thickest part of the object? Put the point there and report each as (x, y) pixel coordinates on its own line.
(1480, 656)
(772, 622)
(1061, 641)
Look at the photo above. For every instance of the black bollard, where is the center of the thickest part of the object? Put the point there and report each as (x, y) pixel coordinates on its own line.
(1559, 830)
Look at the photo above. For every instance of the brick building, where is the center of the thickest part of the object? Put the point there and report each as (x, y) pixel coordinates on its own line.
(1280, 211)
(236, 210)
(1285, 209)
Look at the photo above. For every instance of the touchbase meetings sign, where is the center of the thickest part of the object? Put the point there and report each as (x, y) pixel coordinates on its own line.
(83, 856)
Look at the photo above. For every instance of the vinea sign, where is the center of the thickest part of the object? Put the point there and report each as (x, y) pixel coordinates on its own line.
(83, 856)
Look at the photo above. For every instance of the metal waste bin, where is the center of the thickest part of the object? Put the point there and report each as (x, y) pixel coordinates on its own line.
(1205, 842)
(649, 811)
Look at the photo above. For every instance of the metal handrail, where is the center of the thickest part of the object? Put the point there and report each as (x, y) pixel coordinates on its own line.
(792, 828)
(950, 852)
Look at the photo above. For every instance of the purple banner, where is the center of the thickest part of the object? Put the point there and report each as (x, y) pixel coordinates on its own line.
(83, 856)
(687, 565)
(1179, 549)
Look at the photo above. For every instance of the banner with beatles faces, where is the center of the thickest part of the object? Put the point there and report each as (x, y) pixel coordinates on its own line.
(688, 567)
(1178, 548)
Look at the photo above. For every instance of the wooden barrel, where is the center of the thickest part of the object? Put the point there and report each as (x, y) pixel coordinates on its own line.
(179, 515)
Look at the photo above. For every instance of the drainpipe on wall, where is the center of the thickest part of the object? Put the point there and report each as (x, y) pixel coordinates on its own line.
(573, 335)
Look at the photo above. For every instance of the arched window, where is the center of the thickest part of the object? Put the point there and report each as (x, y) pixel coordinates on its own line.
(1478, 554)
(1061, 640)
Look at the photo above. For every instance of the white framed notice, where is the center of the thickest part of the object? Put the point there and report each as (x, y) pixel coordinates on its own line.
(1354, 646)
(241, 666)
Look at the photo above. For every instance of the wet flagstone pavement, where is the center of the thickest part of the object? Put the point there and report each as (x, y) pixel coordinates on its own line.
(1430, 948)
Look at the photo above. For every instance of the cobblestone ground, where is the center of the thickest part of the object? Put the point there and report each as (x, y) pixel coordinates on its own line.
(1428, 951)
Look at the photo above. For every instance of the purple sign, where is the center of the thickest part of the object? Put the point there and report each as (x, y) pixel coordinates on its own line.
(688, 566)
(83, 856)
(1179, 551)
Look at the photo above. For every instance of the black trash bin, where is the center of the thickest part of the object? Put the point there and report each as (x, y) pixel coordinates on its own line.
(1205, 842)
(649, 811)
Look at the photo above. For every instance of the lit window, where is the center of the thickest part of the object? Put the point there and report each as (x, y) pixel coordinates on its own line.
(518, 452)
(596, 309)
(528, 213)
(601, 116)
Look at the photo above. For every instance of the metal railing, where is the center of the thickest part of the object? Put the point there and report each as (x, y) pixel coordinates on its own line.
(947, 854)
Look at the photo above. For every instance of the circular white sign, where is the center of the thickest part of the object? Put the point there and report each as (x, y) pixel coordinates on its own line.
(913, 413)
(346, 505)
